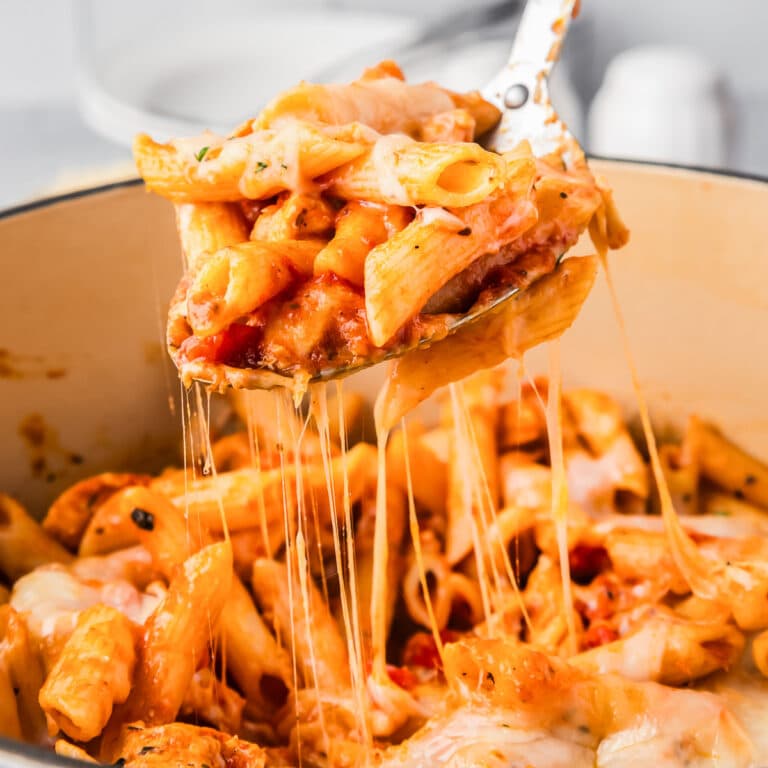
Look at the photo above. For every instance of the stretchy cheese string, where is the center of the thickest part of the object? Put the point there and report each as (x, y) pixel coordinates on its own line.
(484, 502)
(351, 631)
(465, 460)
(560, 488)
(703, 574)
(413, 524)
(290, 559)
(302, 564)
(255, 456)
(349, 539)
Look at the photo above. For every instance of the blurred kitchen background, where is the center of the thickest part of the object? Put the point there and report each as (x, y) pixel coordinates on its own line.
(667, 80)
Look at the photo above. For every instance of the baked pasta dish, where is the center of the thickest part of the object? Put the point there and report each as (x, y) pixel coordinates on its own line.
(349, 223)
(136, 631)
(519, 582)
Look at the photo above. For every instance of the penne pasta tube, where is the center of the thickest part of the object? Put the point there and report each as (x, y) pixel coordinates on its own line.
(161, 528)
(256, 166)
(25, 669)
(451, 126)
(250, 544)
(10, 725)
(436, 572)
(63, 748)
(543, 311)
(70, 513)
(24, 544)
(724, 463)
(400, 171)
(386, 104)
(210, 700)
(133, 565)
(359, 227)
(234, 281)
(596, 482)
(639, 554)
(320, 649)
(525, 483)
(240, 491)
(175, 637)
(682, 479)
(760, 652)
(667, 649)
(92, 674)
(429, 474)
(232, 452)
(111, 527)
(405, 271)
(258, 664)
(294, 216)
(208, 227)
(177, 744)
(365, 556)
(473, 467)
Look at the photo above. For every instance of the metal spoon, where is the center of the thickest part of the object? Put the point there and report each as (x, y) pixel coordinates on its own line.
(520, 91)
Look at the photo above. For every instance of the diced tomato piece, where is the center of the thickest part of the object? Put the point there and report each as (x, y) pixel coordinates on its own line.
(599, 634)
(238, 345)
(421, 651)
(402, 676)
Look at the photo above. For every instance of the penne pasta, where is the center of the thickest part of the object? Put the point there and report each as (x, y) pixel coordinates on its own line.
(237, 280)
(294, 216)
(319, 647)
(205, 228)
(93, 673)
(402, 274)
(399, 171)
(255, 166)
(24, 544)
(359, 227)
(174, 638)
(70, 513)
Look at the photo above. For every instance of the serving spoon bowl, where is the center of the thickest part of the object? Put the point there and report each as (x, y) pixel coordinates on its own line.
(520, 91)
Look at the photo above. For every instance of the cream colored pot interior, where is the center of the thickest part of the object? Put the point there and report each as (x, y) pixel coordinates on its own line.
(85, 384)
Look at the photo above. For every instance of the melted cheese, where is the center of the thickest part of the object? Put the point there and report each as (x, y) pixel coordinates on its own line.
(386, 170)
(436, 215)
(702, 574)
(559, 487)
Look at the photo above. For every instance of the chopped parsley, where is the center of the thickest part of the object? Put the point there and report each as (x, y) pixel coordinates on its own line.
(261, 166)
(201, 154)
(284, 166)
(721, 512)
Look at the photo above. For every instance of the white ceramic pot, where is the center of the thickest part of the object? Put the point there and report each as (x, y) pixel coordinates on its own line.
(87, 279)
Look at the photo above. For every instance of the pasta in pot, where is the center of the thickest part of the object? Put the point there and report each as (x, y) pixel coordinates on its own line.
(269, 660)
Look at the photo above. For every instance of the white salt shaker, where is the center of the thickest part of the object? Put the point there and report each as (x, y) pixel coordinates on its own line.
(660, 103)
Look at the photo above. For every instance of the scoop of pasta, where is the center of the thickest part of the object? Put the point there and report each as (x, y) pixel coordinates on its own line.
(348, 224)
